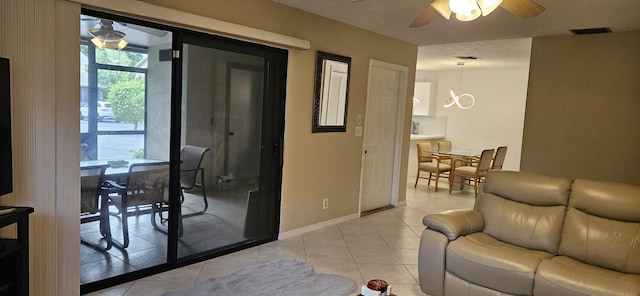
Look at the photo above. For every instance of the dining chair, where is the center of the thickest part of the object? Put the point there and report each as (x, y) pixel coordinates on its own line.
(190, 167)
(463, 170)
(444, 148)
(498, 159)
(94, 206)
(432, 164)
(147, 184)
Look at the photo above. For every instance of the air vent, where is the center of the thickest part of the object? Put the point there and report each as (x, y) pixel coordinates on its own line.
(467, 58)
(591, 31)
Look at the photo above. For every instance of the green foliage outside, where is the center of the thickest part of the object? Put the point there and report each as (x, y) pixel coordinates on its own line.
(124, 90)
(127, 101)
(137, 154)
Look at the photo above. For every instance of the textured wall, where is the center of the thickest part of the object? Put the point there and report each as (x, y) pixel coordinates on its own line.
(35, 36)
(583, 107)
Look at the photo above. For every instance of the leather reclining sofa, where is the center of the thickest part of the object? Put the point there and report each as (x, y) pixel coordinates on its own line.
(530, 234)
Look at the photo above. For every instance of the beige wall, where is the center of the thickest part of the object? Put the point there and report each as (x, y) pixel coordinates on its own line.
(41, 39)
(322, 165)
(583, 107)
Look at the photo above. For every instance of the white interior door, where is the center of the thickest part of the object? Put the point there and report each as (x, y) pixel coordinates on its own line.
(334, 90)
(385, 102)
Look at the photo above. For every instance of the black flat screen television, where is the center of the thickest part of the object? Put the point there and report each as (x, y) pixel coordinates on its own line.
(6, 170)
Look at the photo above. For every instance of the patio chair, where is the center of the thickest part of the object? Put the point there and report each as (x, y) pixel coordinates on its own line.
(93, 205)
(190, 167)
(146, 184)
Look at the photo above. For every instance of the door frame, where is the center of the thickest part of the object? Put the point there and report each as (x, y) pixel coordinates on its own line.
(276, 61)
(399, 130)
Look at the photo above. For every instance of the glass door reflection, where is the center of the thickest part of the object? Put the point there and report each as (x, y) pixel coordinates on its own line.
(125, 129)
(222, 103)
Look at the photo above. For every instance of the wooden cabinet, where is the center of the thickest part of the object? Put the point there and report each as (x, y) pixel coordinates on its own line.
(14, 254)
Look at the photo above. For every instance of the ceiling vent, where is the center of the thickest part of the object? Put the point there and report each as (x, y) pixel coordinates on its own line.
(591, 31)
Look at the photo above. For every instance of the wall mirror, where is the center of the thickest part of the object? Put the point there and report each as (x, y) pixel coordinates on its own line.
(331, 93)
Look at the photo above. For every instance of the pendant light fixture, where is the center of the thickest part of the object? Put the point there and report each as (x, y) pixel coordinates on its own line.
(464, 101)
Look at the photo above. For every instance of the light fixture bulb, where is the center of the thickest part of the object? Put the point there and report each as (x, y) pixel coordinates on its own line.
(103, 43)
(488, 6)
(470, 16)
(464, 7)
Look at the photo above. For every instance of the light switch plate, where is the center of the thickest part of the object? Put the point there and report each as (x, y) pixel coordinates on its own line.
(359, 131)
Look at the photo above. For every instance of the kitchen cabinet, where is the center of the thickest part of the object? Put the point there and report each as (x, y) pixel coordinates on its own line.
(422, 98)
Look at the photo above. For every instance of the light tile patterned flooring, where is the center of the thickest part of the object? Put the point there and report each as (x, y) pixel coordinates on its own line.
(381, 245)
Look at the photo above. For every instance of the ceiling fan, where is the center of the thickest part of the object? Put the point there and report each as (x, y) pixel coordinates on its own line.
(468, 10)
(109, 34)
(105, 24)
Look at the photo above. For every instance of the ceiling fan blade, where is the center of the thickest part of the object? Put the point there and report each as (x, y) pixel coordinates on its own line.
(522, 8)
(424, 18)
(437, 7)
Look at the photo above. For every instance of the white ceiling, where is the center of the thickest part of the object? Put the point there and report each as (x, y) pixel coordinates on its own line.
(442, 39)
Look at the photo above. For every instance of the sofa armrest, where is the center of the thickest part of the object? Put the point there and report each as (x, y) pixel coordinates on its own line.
(455, 223)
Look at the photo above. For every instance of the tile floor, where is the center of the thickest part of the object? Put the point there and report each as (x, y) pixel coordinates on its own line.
(381, 245)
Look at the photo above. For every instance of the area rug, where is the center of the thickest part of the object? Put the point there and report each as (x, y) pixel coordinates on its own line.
(279, 277)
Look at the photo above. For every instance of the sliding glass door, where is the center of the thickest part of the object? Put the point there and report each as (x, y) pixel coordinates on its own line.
(181, 137)
(228, 110)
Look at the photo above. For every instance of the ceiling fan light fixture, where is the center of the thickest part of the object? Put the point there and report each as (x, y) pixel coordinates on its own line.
(488, 6)
(464, 7)
(104, 36)
(442, 7)
(104, 43)
(469, 17)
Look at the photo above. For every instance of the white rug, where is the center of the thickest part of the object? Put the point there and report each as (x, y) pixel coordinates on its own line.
(279, 277)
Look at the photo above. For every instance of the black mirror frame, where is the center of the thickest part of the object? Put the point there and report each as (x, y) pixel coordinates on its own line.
(317, 93)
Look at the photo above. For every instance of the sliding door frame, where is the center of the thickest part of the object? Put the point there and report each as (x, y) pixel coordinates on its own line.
(271, 162)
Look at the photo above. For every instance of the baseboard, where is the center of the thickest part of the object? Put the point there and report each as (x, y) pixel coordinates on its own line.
(376, 210)
(302, 230)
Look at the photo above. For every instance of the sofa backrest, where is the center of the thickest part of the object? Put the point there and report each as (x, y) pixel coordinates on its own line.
(524, 209)
(602, 225)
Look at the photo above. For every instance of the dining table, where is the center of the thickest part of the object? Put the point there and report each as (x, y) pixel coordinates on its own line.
(116, 171)
(465, 153)
(118, 167)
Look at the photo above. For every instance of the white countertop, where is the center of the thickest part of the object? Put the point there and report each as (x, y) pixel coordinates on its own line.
(426, 137)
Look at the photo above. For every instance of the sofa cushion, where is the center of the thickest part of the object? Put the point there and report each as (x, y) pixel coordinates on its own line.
(524, 209)
(602, 242)
(603, 216)
(565, 276)
(485, 261)
(456, 286)
(530, 188)
(521, 224)
(607, 199)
